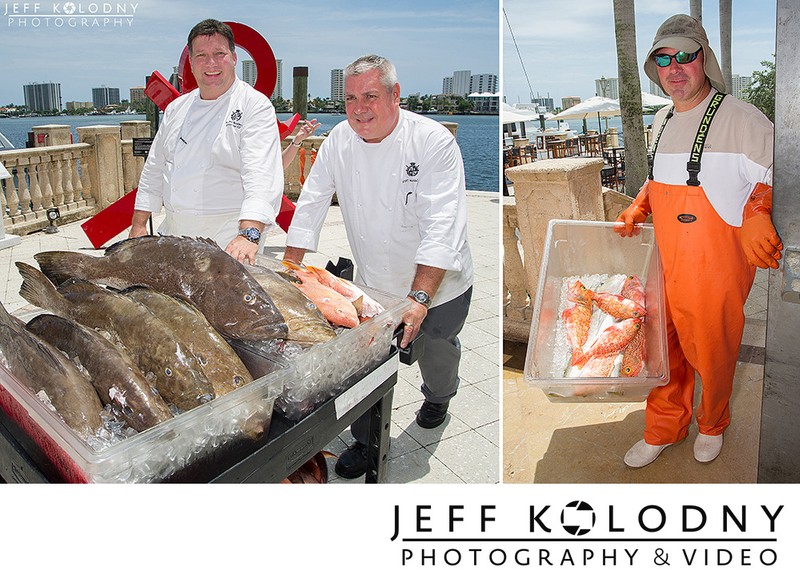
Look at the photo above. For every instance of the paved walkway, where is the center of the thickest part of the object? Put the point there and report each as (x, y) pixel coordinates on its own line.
(466, 448)
(547, 442)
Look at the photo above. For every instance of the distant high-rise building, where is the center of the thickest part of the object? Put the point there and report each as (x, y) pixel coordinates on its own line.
(607, 87)
(137, 94)
(102, 96)
(447, 86)
(277, 93)
(483, 83)
(337, 84)
(546, 102)
(656, 90)
(567, 102)
(461, 81)
(42, 96)
(249, 72)
(740, 85)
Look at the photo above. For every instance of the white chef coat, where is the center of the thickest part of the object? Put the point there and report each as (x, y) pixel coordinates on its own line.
(214, 163)
(403, 201)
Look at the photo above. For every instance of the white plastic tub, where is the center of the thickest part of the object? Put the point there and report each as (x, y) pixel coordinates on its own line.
(583, 249)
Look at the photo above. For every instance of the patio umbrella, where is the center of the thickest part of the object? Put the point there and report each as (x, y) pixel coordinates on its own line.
(513, 115)
(650, 100)
(600, 106)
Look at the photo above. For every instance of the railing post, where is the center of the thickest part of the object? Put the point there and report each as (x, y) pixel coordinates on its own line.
(567, 188)
(105, 162)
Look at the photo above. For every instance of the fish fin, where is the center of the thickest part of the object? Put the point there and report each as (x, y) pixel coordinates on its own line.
(294, 266)
(289, 277)
(5, 316)
(59, 266)
(359, 304)
(37, 289)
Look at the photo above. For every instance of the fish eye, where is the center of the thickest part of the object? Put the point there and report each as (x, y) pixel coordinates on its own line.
(238, 380)
(249, 298)
(168, 371)
(627, 370)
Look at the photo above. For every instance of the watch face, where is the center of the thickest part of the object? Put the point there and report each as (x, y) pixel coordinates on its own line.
(252, 234)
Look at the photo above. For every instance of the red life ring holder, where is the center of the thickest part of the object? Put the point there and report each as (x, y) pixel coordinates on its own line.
(251, 41)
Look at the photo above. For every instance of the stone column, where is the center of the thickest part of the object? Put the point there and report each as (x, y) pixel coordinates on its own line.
(452, 126)
(567, 188)
(135, 128)
(55, 135)
(105, 162)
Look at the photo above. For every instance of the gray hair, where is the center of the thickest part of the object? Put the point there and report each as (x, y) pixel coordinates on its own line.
(370, 63)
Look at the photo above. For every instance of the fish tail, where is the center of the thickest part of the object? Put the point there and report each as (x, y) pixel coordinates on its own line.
(5, 316)
(59, 266)
(37, 289)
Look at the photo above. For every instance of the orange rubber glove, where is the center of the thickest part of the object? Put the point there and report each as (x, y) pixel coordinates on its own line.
(634, 214)
(761, 244)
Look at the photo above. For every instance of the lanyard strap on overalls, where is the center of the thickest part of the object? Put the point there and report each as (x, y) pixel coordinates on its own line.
(693, 165)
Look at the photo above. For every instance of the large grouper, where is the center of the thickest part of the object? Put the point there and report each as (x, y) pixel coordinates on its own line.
(154, 348)
(118, 381)
(220, 363)
(195, 269)
(40, 366)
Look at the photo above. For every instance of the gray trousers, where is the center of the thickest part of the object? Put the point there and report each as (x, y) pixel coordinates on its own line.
(439, 362)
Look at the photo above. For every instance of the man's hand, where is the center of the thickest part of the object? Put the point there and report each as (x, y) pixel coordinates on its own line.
(242, 250)
(761, 244)
(629, 220)
(412, 321)
(137, 231)
(635, 214)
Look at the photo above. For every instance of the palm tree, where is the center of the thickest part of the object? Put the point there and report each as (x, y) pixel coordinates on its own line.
(725, 40)
(696, 9)
(630, 95)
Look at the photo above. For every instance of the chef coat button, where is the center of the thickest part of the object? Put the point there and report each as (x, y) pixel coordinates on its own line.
(385, 268)
(362, 237)
(390, 209)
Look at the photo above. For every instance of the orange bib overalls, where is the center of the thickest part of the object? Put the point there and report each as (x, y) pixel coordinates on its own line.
(707, 281)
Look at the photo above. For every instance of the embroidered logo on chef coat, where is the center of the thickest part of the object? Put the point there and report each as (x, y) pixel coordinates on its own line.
(236, 116)
(412, 169)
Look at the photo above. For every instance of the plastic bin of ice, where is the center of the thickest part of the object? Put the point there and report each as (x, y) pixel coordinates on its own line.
(319, 372)
(598, 256)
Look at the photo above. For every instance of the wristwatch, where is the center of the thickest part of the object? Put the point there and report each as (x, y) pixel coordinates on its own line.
(251, 233)
(420, 297)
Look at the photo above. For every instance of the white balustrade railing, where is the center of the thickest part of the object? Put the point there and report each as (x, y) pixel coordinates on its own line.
(44, 178)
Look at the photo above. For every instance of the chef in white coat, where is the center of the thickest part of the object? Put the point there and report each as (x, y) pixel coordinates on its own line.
(399, 180)
(215, 163)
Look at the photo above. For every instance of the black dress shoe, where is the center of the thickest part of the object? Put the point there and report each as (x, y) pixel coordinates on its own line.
(431, 415)
(353, 462)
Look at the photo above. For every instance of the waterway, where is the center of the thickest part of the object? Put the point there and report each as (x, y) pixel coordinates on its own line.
(477, 137)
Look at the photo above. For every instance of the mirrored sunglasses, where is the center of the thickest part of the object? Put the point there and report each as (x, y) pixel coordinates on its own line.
(681, 58)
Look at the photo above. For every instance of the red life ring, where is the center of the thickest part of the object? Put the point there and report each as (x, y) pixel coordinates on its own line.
(251, 41)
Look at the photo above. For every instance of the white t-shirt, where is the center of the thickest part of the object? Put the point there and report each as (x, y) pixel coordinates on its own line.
(737, 153)
(403, 201)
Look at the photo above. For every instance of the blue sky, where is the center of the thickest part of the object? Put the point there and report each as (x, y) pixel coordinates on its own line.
(426, 40)
(567, 44)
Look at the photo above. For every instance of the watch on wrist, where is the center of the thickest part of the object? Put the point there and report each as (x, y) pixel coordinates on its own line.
(251, 233)
(420, 297)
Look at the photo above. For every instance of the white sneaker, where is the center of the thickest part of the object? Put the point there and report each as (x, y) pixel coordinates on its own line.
(707, 447)
(642, 454)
